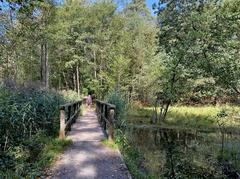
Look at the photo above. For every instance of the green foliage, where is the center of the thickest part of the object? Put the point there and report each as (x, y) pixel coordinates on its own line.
(51, 150)
(130, 154)
(110, 144)
(199, 41)
(26, 111)
(27, 117)
(90, 45)
(188, 117)
(70, 95)
(206, 137)
(100, 47)
(117, 99)
(31, 158)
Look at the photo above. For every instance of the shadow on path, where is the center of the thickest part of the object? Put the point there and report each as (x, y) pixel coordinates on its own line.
(87, 158)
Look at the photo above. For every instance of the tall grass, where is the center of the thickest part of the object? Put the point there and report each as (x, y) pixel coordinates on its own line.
(29, 124)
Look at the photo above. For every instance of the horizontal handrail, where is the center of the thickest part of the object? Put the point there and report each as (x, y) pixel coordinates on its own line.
(69, 104)
(105, 103)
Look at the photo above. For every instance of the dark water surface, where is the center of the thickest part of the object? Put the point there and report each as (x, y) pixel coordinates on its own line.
(173, 153)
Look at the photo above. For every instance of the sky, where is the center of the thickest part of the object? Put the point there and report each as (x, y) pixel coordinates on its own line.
(150, 3)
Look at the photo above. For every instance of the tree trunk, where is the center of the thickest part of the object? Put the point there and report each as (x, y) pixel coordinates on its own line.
(154, 114)
(42, 65)
(46, 67)
(100, 70)
(59, 82)
(166, 110)
(95, 65)
(74, 81)
(66, 81)
(78, 82)
(161, 112)
(14, 63)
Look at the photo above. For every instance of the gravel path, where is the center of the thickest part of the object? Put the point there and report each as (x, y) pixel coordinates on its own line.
(87, 158)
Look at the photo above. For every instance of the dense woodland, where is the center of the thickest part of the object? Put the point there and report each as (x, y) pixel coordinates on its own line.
(51, 52)
(190, 49)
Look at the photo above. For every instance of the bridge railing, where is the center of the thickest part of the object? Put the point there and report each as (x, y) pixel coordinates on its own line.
(68, 114)
(106, 114)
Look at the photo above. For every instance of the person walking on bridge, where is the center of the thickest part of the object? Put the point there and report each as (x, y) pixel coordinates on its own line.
(89, 101)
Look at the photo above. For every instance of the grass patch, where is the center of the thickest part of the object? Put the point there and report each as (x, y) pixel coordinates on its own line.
(131, 156)
(188, 117)
(52, 149)
(110, 144)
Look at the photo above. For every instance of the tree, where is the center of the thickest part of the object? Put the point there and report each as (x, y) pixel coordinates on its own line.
(201, 40)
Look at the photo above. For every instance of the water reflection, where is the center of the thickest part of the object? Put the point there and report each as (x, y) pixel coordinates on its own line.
(186, 153)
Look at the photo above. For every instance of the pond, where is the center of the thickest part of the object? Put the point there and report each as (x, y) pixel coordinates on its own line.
(174, 153)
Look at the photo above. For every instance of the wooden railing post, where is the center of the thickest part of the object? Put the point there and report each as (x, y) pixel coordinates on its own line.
(62, 124)
(111, 127)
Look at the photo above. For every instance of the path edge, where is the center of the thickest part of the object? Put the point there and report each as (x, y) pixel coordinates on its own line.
(122, 159)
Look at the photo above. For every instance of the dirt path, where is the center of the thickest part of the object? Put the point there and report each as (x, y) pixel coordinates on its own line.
(87, 158)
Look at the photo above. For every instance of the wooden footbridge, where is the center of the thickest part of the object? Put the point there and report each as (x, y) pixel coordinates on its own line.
(88, 157)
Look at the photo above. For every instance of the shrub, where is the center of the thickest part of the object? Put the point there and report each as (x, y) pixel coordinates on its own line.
(70, 95)
(24, 112)
(117, 99)
(29, 121)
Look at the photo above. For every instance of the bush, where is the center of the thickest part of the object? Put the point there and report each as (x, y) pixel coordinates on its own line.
(31, 158)
(117, 99)
(70, 95)
(24, 112)
(27, 116)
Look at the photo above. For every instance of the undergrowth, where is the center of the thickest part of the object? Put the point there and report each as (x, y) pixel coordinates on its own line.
(131, 155)
(29, 124)
(32, 158)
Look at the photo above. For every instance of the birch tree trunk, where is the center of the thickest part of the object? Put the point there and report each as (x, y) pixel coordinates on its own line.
(46, 67)
(78, 82)
(42, 65)
(74, 80)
